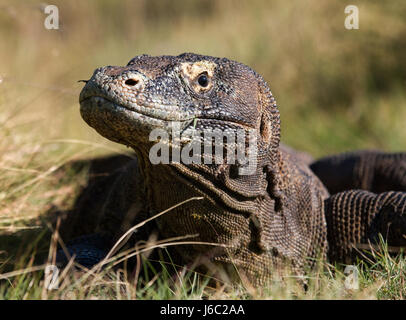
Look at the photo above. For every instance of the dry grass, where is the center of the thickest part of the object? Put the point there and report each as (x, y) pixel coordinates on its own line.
(337, 90)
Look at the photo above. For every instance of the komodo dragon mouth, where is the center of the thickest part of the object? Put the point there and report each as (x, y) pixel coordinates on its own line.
(102, 113)
(150, 111)
(144, 110)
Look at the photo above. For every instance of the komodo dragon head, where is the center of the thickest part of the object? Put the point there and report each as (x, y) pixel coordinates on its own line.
(199, 93)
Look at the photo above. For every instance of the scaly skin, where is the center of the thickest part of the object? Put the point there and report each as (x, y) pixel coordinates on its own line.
(367, 170)
(357, 217)
(272, 217)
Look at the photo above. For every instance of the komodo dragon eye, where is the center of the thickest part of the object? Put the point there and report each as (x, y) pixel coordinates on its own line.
(199, 76)
(203, 80)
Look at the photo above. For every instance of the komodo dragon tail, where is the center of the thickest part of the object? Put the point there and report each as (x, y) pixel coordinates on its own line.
(371, 170)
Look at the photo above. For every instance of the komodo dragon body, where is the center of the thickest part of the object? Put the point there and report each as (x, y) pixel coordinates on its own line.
(278, 214)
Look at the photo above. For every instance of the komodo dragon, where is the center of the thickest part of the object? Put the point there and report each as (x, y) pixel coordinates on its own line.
(278, 214)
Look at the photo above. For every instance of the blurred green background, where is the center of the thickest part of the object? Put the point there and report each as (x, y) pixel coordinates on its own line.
(337, 89)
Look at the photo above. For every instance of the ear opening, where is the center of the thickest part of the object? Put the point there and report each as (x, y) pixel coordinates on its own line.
(270, 119)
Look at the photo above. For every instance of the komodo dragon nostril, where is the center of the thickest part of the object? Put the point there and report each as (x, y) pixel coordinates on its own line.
(131, 82)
